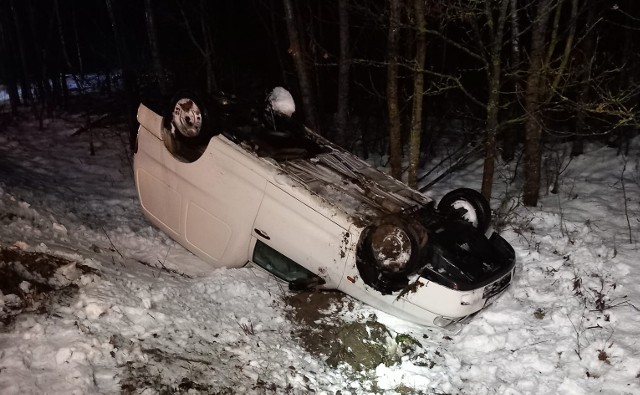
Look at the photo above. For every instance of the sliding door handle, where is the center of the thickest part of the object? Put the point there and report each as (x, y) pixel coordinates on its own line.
(262, 234)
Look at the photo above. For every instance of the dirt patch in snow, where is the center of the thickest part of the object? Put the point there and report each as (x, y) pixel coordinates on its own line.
(31, 281)
(362, 344)
(311, 313)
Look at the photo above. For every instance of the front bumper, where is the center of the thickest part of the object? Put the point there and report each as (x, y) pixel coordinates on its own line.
(455, 304)
(428, 303)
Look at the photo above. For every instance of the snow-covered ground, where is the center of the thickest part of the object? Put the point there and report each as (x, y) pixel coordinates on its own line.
(121, 308)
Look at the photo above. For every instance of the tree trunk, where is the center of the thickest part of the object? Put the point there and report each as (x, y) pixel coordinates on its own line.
(343, 70)
(7, 65)
(117, 37)
(76, 36)
(25, 78)
(152, 34)
(205, 48)
(129, 104)
(274, 38)
(395, 137)
(493, 102)
(312, 33)
(302, 71)
(418, 92)
(586, 57)
(208, 53)
(42, 75)
(568, 45)
(511, 137)
(533, 96)
(65, 54)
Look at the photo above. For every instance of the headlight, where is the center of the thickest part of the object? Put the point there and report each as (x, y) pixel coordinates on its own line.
(391, 248)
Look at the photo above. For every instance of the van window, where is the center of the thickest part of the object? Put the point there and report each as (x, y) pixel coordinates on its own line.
(279, 265)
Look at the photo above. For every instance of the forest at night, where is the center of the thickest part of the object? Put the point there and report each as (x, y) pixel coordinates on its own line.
(531, 107)
(388, 77)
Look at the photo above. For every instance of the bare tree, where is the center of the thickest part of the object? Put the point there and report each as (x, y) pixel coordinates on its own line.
(7, 64)
(343, 68)
(395, 136)
(204, 44)
(268, 7)
(25, 78)
(511, 134)
(533, 99)
(152, 34)
(63, 49)
(41, 63)
(584, 58)
(129, 82)
(481, 43)
(494, 77)
(418, 91)
(208, 49)
(76, 35)
(547, 76)
(302, 69)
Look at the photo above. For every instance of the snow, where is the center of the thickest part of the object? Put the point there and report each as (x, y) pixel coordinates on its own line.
(470, 212)
(281, 101)
(139, 314)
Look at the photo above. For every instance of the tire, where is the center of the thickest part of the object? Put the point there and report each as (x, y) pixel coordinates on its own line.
(386, 279)
(468, 205)
(188, 119)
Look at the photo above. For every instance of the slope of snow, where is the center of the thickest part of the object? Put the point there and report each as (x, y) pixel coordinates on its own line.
(149, 317)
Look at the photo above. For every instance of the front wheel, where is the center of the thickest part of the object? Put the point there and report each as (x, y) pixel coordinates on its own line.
(387, 253)
(468, 205)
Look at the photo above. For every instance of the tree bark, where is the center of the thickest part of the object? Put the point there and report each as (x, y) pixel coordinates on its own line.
(343, 69)
(206, 47)
(25, 78)
(154, 48)
(512, 135)
(45, 71)
(302, 71)
(533, 98)
(117, 37)
(494, 72)
(212, 83)
(271, 27)
(7, 66)
(586, 60)
(395, 137)
(65, 53)
(418, 92)
(78, 51)
(129, 104)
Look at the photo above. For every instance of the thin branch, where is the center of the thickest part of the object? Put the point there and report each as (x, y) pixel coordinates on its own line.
(459, 46)
(624, 196)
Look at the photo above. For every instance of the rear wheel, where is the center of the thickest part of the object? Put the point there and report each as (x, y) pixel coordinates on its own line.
(468, 205)
(188, 119)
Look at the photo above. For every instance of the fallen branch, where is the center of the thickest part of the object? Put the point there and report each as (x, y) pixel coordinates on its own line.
(624, 196)
(113, 246)
(89, 124)
(461, 161)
